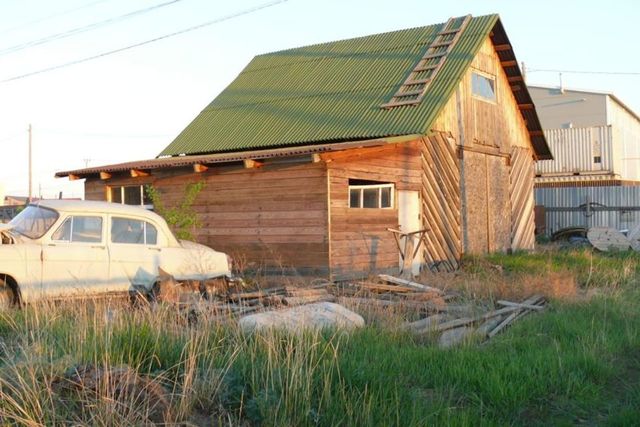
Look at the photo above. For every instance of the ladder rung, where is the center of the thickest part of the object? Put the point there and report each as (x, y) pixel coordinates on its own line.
(447, 32)
(440, 44)
(434, 55)
(417, 82)
(400, 103)
(409, 93)
(426, 68)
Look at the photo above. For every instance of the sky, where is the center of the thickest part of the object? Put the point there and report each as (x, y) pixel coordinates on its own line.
(131, 104)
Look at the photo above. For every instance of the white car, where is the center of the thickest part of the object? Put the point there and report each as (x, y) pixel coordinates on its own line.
(58, 249)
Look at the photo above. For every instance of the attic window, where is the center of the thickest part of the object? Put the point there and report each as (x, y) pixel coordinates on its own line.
(370, 194)
(483, 86)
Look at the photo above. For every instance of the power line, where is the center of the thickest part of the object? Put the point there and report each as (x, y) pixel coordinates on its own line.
(615, 73)
(84, 28)
(146, 42)
(55, 15)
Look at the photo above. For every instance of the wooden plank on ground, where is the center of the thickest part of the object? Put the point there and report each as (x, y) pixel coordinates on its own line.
(409, 283)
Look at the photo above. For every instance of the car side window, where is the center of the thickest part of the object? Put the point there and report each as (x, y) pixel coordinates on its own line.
(126, 230)
(151, 234)
(83, 229)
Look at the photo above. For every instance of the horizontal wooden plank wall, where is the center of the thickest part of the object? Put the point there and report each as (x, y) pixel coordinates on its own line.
(271, 218)
(360, 244)
(441, 202)
(522, 200)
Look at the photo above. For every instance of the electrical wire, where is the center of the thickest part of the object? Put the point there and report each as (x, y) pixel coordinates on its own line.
(615, 73)
(84, 28)
(55, 15)
(146, 42)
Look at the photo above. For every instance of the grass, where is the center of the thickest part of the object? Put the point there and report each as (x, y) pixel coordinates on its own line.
(576, 363)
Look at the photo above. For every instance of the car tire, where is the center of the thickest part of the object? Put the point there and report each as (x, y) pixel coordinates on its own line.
(7, 296)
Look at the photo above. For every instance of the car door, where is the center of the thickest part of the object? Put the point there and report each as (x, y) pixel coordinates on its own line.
(135, 250)
(75, 259)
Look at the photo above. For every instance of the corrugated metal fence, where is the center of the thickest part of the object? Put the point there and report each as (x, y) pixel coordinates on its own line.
(617, 207)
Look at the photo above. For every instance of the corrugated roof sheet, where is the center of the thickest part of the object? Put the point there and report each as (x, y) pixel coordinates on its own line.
(329, 92)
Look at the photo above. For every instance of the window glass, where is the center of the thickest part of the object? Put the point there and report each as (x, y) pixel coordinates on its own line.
(483, 86)
(125, 230)
(151, 234)
(385, 197)
(34, 221)
(63, 233)
(86, 229)
(354, 198)
(116, 195)
(370, 197)
(132, 196)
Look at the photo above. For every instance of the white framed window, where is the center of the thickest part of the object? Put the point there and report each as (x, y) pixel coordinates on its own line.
(371, 195)
(483, 86)
(130, 195)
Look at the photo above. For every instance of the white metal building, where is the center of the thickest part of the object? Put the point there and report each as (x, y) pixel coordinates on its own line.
(592, 135)
(595, 141)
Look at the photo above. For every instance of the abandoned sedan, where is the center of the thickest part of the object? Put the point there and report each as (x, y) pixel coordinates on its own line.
(59, 249)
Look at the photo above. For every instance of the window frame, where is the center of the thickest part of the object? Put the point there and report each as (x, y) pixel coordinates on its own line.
(379, 187)
(489, 77)
(71, 218)
(112, 188)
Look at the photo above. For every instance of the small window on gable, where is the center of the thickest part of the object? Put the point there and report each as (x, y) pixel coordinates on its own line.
(370, 194)
(130, 195)
(483, 86)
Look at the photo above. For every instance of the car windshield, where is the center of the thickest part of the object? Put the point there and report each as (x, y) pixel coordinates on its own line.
(34, 221)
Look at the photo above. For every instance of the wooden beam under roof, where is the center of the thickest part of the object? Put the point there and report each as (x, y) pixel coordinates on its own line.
(199, 168)
(250, 163)
(137, 173)
(526, 106)
(514, 79)
(105, 175)
(502, 47)
(511, 63)
(73, 177)
(536, 133)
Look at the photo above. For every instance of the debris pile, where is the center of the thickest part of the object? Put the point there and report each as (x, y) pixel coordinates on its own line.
(441, 312)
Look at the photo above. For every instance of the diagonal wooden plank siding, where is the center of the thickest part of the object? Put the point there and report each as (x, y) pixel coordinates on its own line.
(522, 201)
(440, 195)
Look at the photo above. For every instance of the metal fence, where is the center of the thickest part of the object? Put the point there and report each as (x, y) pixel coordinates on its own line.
(617, 207)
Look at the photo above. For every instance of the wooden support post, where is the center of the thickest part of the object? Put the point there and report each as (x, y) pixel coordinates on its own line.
(136, 173)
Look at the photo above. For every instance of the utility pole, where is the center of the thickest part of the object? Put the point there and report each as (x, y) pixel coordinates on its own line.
(30, 167)
(524, 72)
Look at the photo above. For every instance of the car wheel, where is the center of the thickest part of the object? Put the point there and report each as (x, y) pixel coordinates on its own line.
(6, 296)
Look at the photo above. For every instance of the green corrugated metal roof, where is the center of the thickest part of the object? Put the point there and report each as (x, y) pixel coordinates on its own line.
(329, 92)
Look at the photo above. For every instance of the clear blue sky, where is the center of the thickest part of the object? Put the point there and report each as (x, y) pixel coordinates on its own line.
(130, 105)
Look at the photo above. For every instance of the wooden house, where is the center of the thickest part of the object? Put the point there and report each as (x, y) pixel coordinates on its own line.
(311, 154)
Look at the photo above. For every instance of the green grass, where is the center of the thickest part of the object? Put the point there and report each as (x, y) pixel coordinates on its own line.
(578, 362)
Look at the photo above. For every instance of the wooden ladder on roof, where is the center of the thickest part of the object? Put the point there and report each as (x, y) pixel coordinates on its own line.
(416, 84)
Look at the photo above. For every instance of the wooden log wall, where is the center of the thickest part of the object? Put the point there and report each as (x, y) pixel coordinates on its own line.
(359, 241)
(487, 133)
(522, 201)
(271, 218)
(441, 202)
